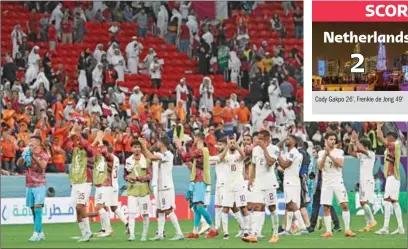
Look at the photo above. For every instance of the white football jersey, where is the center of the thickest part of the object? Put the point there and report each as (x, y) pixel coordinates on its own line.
(165, 174)
(291, 174)
(330, 173)
(115, 171)
(235, 164)
(221, 171)
(265, 177)
(366, 166)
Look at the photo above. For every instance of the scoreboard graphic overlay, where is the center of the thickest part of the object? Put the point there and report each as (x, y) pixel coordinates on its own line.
(360, 60)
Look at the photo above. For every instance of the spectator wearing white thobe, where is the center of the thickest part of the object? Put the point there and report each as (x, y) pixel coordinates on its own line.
(133, 49)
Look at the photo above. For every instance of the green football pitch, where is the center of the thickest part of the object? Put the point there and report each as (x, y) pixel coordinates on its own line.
(59, 236)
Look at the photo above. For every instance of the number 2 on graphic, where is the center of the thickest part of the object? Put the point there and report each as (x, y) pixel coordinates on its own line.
(356, 68)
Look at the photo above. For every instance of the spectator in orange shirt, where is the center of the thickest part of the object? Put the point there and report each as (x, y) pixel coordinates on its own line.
(8, 147)
(218, 112)
(243, 114)
(228, 117)
(108, 137)
(127, 141)
(23, 134)
(211, 140)
(181, 111)
(156, 110)
(43, 125)
(118, 147)
(60, 130)
(58, 108)
(58, 155)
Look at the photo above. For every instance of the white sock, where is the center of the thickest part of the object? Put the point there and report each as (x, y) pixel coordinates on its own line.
(256, 217)
(289, 218)
(145, 225)
(250, 221)
(346, 220)
(161, 222)
(174, 221)
(107, 221)
(398, 214)
(368, 213)
(131, 221)
(102, 217)
(245, 223)
(275, 222)
(328, 223)
(120, 215)
(81, 227)
(367, 219)
(261, 222)
(239, 219)
(218, 212)
(224, 220)
(387, 213)
(87, 227)
(299, 218)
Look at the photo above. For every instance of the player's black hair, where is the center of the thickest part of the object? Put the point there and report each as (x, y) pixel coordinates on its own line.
(392, 134)
(136, 143)
(265, 133)
(223, 139)
(84, 136)
(305, 145)
(255, 134)
(200, 135)
(330, 134)
(106, 143)
(248, 135)
(166, 141)
(366, 143)
(295, 138)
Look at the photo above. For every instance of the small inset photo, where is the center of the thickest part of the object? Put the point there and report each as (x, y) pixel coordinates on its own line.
(359, 60)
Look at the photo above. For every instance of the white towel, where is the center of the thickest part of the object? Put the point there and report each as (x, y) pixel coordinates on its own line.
(130, 164)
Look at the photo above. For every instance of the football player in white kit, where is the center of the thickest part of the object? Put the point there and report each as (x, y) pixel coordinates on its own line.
(264, 157)
(165, 187)
(220, 177)
(235, 188)
(392, 173)
(331, 162)
(291, 163)
(114, 200)
(361, 150)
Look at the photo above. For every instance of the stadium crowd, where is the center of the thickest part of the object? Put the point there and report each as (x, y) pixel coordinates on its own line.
(34, 97)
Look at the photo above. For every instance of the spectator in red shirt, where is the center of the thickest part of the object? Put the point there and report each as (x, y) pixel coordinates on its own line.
(184, 37)
(52, 36)
(66, 26)
(33, 26)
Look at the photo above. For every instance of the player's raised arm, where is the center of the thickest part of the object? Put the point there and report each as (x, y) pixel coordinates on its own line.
(338, 160)
(380, 134)
(285, 163)
(269, 159)
(147, 153)
(322, 159)
(224, 152)
(42, 160)
(352, 148)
